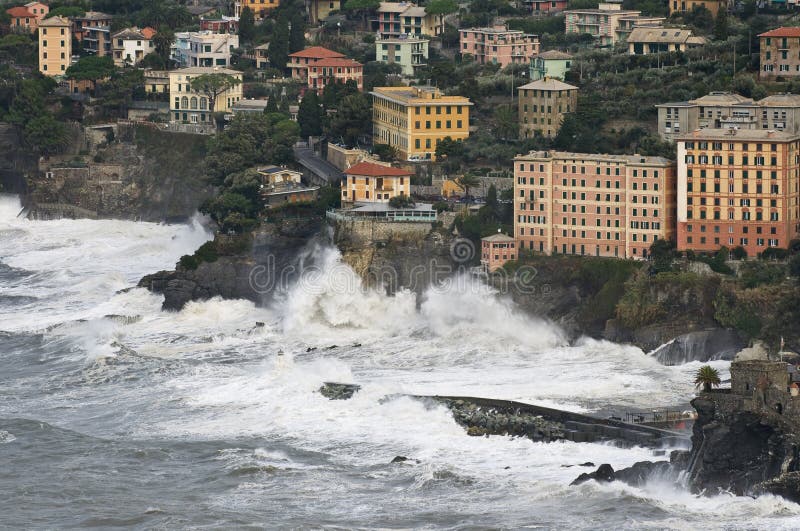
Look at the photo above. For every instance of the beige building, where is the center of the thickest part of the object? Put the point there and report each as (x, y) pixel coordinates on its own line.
(684, 6)
(588, 204)
(725, 110)
(370, 182)
(156, 81)
(189, 106)
(542, 106)
(414, 120)
(405, 18)
(779, 53)
(319, 10)
(644, 41)
(55, 46)
(608, 24)
(738, 188)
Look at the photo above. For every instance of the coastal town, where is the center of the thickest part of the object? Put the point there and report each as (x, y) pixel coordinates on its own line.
(626, 171)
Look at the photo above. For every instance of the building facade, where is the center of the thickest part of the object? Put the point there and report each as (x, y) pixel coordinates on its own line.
(26, 18)
(334, 70)
(156, 81)
(779, 53)
(205, 49)
(720, 110)
(496, 251)
(409, 53)
(405, 18)
(543, 105)
(498, 45)
(597, 205)
(260, 8)
(300, 61)
(684, 6)
(414, 120)
(369, 182)
(601, 23)
(737, 188)
(319, 10)
(189, 106)
(55, 46)
(544, 6)
(644, 41)
(130, 45)
(552, 63)
(91, 19)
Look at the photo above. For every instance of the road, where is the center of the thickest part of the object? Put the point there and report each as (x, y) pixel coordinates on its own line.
(321, 168)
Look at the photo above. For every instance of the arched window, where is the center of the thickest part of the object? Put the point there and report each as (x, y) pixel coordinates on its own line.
(194, 103)
(203, 104)
(184, 102)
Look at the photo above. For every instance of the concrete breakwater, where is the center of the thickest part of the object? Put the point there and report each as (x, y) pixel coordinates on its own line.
(485, 416)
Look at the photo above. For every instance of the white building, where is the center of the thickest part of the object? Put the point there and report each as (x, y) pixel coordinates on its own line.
(131, 45)
(204, 48)
(190, 106)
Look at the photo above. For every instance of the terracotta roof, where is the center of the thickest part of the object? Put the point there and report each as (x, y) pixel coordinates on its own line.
(19, 12)
(782, 32)
(369, 169)
(148, 32)
(553, 54)
(316, 52)
(547, 84)
(336, 61)
(55, 21)
(498, 238)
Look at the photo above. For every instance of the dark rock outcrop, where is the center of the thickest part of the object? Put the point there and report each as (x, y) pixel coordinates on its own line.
(638, 474)
(339, 391)
(701, 345)
(603, 474)
(742, 451)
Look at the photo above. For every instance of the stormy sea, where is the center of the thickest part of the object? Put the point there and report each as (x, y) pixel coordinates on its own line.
(116, 414)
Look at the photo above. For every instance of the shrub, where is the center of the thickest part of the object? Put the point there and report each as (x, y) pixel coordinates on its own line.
(738, 253)
(754, 274)
(189, 262)
(774, 253)
(794, 266)
(207, 252)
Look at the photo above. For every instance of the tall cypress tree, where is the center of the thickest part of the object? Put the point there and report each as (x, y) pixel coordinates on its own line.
(279, 45)
(309, 116)
(297, 35)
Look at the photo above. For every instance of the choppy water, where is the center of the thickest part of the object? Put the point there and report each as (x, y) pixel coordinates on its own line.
(114, 414)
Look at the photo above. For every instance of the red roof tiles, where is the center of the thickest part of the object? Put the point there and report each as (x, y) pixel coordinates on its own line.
(19, 12)
(370, 169)
(316, 52)
(336, 61)
(782, 32)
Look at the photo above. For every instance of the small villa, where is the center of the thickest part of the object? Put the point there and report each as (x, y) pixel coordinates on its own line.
(370, 182)
(496, 251)
(281, 186)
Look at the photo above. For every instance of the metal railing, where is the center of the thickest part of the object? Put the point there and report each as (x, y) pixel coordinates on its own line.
(422, 216)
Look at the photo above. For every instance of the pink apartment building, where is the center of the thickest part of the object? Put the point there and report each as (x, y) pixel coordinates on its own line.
(496, 250)
(499, 45)
(544, 6)
(317, 66)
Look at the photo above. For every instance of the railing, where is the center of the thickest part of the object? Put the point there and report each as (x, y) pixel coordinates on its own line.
(422, 216)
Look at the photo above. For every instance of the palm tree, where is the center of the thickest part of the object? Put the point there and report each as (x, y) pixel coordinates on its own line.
(468, 181)
(707, 376)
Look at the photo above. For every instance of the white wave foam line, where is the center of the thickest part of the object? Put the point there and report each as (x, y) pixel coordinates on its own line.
(10, 207)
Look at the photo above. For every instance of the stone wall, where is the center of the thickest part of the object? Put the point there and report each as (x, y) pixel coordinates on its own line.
(371, 230)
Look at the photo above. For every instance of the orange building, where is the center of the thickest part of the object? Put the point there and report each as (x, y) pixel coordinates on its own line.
(334, 70)
(260, 8)
(26, 18)
(55, 46)
(374, 183)
(738, 187)
(588, 204)
(496, 250)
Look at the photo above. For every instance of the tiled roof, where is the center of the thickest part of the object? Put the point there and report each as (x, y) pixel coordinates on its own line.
(148, 32)
(55, 21)
(369, 169)
(336, 61)
(553, 54)
(548, 84)
(19, 12)
(498, 238)
(782, 32)
(316, 52)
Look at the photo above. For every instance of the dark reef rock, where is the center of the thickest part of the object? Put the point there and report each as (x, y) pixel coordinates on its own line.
(638, 474)
(339, 391)
(603, 474)
(701, 345)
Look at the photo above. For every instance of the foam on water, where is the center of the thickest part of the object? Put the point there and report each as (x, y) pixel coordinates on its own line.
(209, 373)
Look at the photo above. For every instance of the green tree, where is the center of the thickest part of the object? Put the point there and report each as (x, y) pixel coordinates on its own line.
(297, 33)
(506, 122)
(707, 376)
(441, 7)
(721, 25)
(449, 148)
(310, 114)
(162, 43)
(91, 68)
(794, 266)
(247, 25)
(363, 7)
(278, 52)
(491, 200)
(352, 120)
(468, 181)
(272, 103)
(212, 85)
(45, 134)
(66, 12)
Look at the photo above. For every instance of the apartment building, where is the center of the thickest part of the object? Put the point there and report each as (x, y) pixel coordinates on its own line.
(410, 53)
(260, 8)
(204, 48)
(414, 120)
(26, 18)
(498, 45)
(537, 7)
(737, 187)
(81, 26)
(406, 18)
(644, 41)
(319, 10)
(626, 25)
(496, 251)
(156, 81)
(300, 61)
(189, 106)
(684, 6)
(601, 23)
(55, 46)
(779, 53)
(589, 204)
(552, 63)
(720, 110)
(129, 46)
(330, 70)
(543, 105)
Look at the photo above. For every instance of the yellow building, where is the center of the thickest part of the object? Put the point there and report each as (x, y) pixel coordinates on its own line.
(55, 46)
(187, 105)
(414, 119)
(684, 6)
(320, 9)
(368, 182)
(260, 8)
